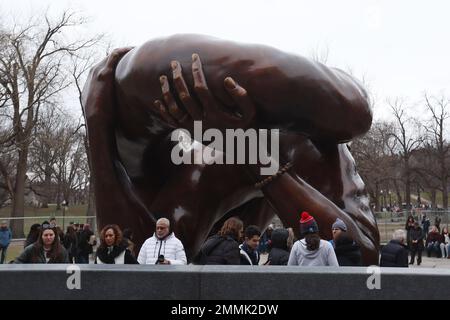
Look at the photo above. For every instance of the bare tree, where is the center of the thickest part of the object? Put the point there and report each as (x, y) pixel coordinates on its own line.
(437, 144)
(425, 169)
(44, 151)
(374, 160)
(80, 68)
(70, 165)
(79, 71)
(32, 74)
(407, 141)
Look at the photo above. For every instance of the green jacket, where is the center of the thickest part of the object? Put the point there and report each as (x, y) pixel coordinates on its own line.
(26, 256)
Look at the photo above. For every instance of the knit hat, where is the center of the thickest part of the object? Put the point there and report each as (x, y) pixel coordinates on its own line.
(339, 224)
(307, 224)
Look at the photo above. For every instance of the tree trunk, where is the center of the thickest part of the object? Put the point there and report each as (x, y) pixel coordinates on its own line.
(433, 199)
(18, 204)
(419, 199)
(47, 187)
(377, 198)
(444, 183)
(399, 194)
(408, 187)
(58, 196)
(444, 194)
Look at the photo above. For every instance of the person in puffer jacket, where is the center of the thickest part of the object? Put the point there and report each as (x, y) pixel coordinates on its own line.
(279, 255)
(347, 251)
(395, 253)
(5, 240)
(163, 247)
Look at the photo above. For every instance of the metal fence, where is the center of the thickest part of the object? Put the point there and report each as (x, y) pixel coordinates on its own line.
(388, 222)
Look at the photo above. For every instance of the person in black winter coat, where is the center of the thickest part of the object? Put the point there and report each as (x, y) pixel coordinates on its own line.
(395, 253)
(113, 247)
(223, 248)
(433, 242)
(249, 249)
(408, 227)
(347, 251)
(70, 242)
(85, 245)
(279, 255)
(416, 237)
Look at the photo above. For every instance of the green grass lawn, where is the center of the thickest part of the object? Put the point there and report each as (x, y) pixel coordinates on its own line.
(14, 249)
(78, 210)
(76, 214)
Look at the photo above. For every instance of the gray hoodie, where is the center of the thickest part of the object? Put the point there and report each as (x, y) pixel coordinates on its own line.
(301, 256)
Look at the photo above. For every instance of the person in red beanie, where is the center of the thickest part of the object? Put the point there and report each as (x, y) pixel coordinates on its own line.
(310, 250)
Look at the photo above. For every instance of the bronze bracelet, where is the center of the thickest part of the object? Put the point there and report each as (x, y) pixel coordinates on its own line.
(267, 180)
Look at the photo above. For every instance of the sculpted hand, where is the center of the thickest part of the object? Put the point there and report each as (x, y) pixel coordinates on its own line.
(203, 107)
(98, 92)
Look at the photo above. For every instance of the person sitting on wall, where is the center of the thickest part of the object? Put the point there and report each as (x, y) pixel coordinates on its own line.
(433, 242)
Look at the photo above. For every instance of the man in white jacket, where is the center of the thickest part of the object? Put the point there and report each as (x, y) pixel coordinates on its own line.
(163, 247)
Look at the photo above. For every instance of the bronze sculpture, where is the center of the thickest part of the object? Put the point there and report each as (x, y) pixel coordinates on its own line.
(317, 109)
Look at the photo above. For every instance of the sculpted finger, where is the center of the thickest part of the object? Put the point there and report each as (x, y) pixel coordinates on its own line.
(183, 92)
(170, 102)
(240, 96)
(200, 86)
(162, 111)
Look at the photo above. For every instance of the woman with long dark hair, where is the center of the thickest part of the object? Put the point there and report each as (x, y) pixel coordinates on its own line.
(47, 248)
(223, 248)
(310, 250)
(33, 235)
(113, 248)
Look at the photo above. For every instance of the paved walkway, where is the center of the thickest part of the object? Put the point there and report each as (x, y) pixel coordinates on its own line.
(432, 263)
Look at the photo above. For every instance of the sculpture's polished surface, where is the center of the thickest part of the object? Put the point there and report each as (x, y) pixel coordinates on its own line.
(316, 108)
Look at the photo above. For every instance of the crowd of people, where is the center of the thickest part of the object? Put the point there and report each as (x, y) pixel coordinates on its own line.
(410, 243)
(232, 245)
(424, 236)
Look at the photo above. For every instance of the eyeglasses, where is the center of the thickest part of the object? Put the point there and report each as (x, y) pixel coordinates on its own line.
(46, 226)
(161, 228)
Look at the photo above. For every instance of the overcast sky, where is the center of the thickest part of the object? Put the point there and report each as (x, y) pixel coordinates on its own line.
(401, 48)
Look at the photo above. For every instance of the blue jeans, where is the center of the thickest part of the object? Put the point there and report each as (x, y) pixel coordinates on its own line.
(433, 247)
